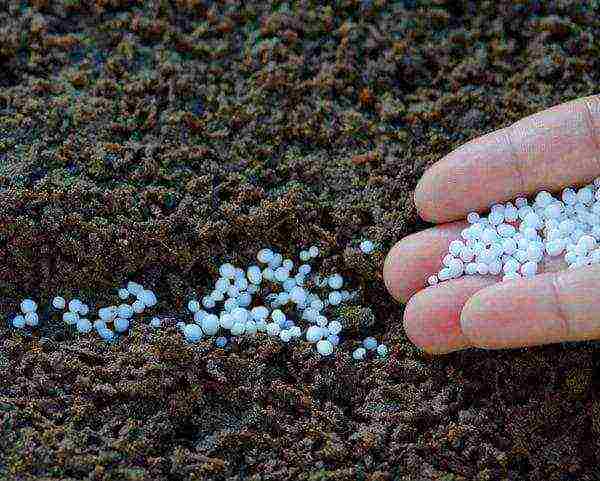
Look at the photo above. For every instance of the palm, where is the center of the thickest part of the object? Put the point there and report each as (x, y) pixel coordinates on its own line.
(546, 151)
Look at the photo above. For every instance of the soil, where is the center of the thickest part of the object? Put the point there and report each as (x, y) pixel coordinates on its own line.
(154, 140)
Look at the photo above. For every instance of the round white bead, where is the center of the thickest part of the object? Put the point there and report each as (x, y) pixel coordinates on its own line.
(482, 269)
(238, 328)
(239, 314)
(588, 242)
(382, 350)
(28, 305)
(241, 283)
(273, 329)
(534, 253)
(265, 256)
(251, 328)
(585, 195)
(138, 307)
(254, 274)
(553, 211)
(359, 353)
(32, 319)
(367, 246)
(259, 312)
(298, 295)
(511, 214)
(489, 236)
(466, 234)
(107, 314)
(456, 267)
(467, 254)
(509, 246)
(324, 347)
(520, 202)
(84, 326)
(554, 247)
(525, 211)
(511, 265)
(134, 288)
(192, 332)
(125, 311)
(314, 334)
(472, 217)
(529, 269)
(18, 321)
(226, 320)
(521, 255)
(278, 316)
(569, 196)
(210, 324)
(122, 325)
(58, 302)
(199, 316)
(496, 218)
(495, 267)
(281, 274)
(543, 198)
(149, 298)
(70, 317)
(222, 284)
(227, 271)
(283, 298)
(570, 257)
(456, 247)
(532, 220)
(448, 258)
(334, 327)
(334, 298)
(290, 283)
(208, 302)
(506, 230)
(471, 268)
(335, 281)
(193, 306)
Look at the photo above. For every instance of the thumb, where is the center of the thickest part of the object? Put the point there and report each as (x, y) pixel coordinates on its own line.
(547, 308)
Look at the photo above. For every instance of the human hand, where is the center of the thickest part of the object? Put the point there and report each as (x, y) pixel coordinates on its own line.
(549, 150)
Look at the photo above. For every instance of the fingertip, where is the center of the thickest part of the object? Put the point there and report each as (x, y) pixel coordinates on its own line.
(415, 257)
(510, 314)
(431, 320)
(472, 311)
(392, 273)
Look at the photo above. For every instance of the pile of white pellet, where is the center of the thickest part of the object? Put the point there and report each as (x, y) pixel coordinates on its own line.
(290, 310)
(514, 237)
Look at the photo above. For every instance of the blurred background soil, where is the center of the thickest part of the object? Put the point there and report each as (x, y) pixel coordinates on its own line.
(154, 140)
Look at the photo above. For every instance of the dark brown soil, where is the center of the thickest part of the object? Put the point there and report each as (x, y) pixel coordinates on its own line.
(154, 140)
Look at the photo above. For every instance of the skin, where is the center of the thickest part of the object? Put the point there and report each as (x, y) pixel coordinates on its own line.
(549, 150)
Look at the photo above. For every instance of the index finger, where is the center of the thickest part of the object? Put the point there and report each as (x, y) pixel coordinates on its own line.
(555, 148)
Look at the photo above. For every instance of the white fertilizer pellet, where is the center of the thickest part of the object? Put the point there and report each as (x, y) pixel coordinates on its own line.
(274, 300)
(514, 238)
